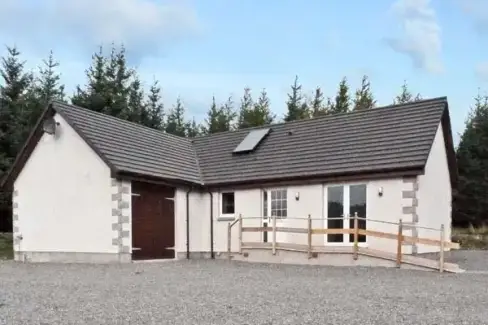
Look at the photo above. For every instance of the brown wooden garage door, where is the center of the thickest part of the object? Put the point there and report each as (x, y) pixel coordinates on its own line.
(153, 221)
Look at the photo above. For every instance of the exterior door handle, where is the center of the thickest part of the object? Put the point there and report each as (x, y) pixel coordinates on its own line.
(136, 249)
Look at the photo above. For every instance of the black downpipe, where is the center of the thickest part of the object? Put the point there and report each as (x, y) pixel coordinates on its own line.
(188, 223)
(212, 254)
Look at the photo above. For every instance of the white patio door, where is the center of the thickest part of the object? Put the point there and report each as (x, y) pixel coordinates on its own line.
(342, 201)
(275, 203)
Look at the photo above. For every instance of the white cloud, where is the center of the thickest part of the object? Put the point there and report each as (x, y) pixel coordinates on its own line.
(421, 34)
(145, 26)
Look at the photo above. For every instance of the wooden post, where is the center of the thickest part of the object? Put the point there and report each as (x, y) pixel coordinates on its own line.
(309, 233)
(356, 236)
(240, 233)
(441, 255)
(229, 241)
(399, 244)
(274, 235)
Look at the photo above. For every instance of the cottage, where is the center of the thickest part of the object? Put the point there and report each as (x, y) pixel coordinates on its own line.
(88, 187)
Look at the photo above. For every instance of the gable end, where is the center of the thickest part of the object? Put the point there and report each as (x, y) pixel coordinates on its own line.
(30, 144)
(449, 143)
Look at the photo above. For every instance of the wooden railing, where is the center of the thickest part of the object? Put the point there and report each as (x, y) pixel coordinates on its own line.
(356, 231)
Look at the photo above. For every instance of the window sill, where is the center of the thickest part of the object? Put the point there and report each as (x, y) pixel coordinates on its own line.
(226, 218)
(362, 244)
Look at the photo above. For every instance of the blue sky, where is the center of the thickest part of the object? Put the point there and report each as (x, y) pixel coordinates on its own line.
(201, 48)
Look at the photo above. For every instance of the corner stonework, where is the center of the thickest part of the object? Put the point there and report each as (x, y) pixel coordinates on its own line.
(409, 208)
(121, 214)
(15, 225)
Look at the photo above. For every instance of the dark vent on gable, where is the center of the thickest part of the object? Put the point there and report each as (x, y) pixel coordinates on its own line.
(251, 141)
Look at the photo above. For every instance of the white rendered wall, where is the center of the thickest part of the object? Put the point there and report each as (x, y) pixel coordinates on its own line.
(63, 197)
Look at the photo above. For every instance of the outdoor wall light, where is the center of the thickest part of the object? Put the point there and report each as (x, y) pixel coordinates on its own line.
(297, 196)
(380, 191)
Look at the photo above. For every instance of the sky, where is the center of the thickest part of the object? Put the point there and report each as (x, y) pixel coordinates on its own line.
(203, 48)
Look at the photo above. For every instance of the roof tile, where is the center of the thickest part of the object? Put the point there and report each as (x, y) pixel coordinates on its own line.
(133, 148)
(392, 137)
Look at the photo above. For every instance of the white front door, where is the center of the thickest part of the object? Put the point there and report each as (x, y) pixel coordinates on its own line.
(341, 203)
(275, 203)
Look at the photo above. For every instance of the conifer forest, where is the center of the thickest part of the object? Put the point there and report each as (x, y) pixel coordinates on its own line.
(113, 87)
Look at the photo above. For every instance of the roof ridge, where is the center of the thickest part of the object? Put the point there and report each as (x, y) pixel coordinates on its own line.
(60, 103)
(334, 116)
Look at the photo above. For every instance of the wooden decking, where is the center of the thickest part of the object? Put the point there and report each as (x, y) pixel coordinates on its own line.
(406, 259)
(355, 250)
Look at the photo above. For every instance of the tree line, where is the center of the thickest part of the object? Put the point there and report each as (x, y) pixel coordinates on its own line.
(470, 201)
(115, 88)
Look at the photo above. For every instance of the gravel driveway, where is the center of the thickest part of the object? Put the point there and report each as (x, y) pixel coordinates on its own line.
(222, 292)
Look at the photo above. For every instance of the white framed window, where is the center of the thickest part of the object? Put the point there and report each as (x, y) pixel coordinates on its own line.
(227, 204)
(275, 203)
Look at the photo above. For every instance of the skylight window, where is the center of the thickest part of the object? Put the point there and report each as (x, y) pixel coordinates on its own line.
(250, 142)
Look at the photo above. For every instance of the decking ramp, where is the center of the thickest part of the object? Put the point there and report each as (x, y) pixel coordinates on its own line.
(335, 256)
(292, 253)
(412, 260)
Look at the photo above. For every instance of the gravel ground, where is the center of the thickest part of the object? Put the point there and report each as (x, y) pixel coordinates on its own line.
(470, 260)
(222, 292)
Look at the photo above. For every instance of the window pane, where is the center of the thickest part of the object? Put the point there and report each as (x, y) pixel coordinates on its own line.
(274, 205)
(283, 194)
(273, 195)
(228, 203)
(335, 209)
(357, 197)
(265, 203)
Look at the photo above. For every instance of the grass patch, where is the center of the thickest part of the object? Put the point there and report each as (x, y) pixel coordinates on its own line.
(6, 246)
(471, 237)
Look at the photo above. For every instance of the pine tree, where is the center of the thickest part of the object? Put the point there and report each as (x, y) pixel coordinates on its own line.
(176, 119)
(213, 119)
(109, 85)
(246, 109)
(120, 79)
(263, 114)
(192, 129)
(48, 84)
(155, 107)
(94, 96)
(257, 113)
(470, 205)
(342, 100)
(16, 81)
(136, 110)
(14, 101)
(14, 95)
(406, 96)
(227, 115)
(297, 110)
(364, 97)
(329, 106)
(318, 107)
(305, 109)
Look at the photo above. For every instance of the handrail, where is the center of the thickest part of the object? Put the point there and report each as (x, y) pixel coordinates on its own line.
(400, 237)
(338, 218)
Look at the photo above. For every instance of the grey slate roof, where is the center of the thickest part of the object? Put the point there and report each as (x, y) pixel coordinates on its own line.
(130, 147)
(386, 138)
